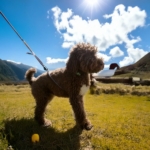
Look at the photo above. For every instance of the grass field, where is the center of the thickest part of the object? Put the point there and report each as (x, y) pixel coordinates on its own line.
(121, 121)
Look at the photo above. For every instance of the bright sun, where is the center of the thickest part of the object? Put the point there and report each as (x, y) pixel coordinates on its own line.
(91, 6)
(92, 3)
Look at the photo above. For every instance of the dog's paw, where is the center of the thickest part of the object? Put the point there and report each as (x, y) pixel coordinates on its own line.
(87, 125)
(47, 123)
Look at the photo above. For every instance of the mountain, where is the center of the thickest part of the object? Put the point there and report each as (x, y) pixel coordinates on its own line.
(10, 71)
(140, 69)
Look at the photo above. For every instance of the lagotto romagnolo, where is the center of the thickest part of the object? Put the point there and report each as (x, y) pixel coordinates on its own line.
(72, 81)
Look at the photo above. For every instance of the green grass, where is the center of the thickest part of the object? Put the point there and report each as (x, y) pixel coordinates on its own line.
(121, 122)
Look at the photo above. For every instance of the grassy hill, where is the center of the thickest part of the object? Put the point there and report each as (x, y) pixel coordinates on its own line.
(10, 71)
(6, 73)
(140, 69)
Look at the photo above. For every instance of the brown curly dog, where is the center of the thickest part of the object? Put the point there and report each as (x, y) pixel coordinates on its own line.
(73, 81)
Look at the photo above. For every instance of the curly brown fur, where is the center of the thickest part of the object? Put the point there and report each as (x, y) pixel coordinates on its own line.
(29, 75)
(74, 80)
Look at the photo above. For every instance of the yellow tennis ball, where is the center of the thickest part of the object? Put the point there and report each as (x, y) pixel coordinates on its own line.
(35, 138)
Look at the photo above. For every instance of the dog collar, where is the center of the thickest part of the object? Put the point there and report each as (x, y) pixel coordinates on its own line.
(78, 74)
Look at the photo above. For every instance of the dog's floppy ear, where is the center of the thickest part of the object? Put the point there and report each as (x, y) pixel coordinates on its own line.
(72, 63)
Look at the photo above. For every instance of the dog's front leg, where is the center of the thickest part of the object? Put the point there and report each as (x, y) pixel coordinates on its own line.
(80, 115)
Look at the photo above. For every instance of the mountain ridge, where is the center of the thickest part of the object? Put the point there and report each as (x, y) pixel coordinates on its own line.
(10, 71)
(140, 69)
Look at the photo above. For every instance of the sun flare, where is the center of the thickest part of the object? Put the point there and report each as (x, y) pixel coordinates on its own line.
(92, 3)
(92, 7)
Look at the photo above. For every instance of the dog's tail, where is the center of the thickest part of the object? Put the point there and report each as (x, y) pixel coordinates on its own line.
(29, 75)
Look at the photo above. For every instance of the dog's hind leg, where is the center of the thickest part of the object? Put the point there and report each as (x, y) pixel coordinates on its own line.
(41, 104)
(80, 115)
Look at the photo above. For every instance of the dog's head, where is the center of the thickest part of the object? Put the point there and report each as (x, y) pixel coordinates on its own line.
(83, 57)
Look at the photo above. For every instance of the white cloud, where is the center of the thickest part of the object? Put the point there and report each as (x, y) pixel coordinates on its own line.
(105, 57)
(14, 62)
(57, 12)
(134, 54)
(116, 52)
(75, 29)
(126, 61)
(67, 44)
(106, 66)
(50, 60)
(61, 18)
(130, 43)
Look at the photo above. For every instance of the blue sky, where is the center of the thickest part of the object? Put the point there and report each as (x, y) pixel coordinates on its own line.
(119, 28)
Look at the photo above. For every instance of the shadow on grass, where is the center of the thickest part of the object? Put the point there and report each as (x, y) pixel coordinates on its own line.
(19, 132)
